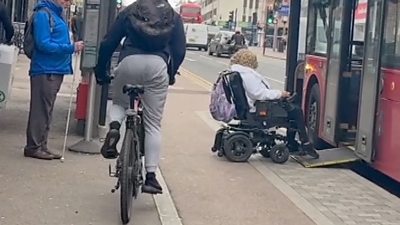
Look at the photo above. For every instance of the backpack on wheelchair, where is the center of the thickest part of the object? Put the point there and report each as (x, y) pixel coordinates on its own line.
(255, 132)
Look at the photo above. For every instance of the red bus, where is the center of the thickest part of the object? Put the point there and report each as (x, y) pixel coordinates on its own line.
(191, 13)
(350, 85)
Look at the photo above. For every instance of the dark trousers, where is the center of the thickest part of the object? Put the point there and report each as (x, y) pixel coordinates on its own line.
(295, 113)
(44, 89)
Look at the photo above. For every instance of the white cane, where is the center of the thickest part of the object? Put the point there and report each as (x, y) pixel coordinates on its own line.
(70, 107)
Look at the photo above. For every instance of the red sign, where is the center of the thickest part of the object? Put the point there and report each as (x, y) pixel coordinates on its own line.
(361, 11)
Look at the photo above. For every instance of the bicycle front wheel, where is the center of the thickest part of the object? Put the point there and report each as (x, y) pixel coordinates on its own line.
(127, 159)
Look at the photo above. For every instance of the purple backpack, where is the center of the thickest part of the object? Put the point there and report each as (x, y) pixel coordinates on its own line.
(220, 108)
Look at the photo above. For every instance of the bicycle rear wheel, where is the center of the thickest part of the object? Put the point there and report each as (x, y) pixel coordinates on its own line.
(125, 177)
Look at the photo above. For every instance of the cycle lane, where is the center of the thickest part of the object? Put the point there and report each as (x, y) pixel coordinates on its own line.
(207, 189)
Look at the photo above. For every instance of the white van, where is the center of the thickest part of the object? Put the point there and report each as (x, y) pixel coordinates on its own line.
(196, 35)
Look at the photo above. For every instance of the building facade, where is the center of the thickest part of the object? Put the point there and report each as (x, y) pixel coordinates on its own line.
(218, 11)
(245, 13)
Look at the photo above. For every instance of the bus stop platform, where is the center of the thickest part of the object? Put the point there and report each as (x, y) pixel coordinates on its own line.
(201, 188)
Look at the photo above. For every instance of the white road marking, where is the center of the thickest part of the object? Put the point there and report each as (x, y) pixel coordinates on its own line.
(275, 80)
(214, 60)
(190, 59)
(205, 57)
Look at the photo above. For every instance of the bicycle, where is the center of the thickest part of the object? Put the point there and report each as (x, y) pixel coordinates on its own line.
(129, 166)
(18, 38)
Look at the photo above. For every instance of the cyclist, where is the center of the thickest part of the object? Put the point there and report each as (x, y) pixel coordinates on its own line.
(153, 50)
(239, 41)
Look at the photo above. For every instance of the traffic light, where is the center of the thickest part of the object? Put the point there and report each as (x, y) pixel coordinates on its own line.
(270, 17)
(231, 16)
(119, 4)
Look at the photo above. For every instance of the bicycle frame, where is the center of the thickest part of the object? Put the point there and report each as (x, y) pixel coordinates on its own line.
(134, 120)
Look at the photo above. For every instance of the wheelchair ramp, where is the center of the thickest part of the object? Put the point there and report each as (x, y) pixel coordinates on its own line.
(328, 157)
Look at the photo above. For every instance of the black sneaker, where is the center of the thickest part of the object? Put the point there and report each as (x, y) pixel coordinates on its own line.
(151, 185)
(109, 149)
(309, 149)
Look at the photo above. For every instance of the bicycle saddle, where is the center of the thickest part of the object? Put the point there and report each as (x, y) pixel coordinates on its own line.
(133, 89)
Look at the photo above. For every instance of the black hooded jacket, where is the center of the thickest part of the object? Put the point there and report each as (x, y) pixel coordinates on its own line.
(173, 54)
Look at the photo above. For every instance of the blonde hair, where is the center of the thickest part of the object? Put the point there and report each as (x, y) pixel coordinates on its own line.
(246, 58)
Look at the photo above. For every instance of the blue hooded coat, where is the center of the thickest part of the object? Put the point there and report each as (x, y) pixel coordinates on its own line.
(53, 48)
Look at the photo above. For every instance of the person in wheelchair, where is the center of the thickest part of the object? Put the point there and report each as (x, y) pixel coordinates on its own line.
(257, 88)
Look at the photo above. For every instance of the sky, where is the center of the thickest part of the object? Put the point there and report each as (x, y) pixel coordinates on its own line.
(172, 2)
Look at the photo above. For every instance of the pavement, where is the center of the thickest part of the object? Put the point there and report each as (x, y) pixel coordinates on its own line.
(35, 192)
(200, 187)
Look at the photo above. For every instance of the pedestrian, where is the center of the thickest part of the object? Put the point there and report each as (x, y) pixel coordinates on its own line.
(153, 50)
(7, 24)
(77, 26)
(51, 60)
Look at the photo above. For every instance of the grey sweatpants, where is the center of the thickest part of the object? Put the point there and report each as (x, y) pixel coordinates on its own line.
(44, 89)
(151, 72)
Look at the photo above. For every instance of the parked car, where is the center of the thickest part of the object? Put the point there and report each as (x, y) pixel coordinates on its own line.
(221, 44)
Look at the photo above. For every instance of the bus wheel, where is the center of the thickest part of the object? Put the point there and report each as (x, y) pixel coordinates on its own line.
(313, 116)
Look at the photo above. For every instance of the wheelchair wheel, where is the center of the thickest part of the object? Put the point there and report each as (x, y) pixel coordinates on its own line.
(238, 147)
(279, 153)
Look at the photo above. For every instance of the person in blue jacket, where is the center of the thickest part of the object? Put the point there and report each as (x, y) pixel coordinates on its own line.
(51, 60)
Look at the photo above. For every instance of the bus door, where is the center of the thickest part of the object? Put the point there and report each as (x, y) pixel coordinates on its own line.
(339, 42)
(370, 81)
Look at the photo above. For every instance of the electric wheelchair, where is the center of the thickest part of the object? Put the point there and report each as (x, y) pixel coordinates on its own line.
(256, 132)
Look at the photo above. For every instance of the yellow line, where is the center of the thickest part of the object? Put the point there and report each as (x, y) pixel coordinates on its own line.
(197, 79)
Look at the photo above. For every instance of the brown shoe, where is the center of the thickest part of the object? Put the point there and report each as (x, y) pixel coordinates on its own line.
(39, 154)
(55, 155)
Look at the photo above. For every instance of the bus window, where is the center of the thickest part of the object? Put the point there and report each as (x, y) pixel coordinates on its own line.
(391, 36)
(318, 17)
